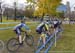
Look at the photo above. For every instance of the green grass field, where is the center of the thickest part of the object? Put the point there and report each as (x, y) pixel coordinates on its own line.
(5, 34)
(65, 43)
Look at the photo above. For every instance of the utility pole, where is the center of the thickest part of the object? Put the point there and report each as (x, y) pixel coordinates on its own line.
(14, 11)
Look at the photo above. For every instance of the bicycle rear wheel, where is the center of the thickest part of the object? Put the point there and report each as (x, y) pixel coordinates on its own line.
(29, 40)
(1, 45)
(12, 45)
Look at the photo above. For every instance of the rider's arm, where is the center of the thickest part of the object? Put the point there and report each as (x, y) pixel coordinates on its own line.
(26, 27)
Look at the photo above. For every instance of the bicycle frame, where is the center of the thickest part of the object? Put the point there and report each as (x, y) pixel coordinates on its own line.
(25, 35)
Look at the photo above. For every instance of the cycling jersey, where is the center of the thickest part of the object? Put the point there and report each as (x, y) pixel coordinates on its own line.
(56, 24)
(18, 27)
(42, 27)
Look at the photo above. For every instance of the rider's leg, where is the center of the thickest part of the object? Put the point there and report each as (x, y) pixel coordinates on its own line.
(19, 36)
(43, 38)
(18, 32)
(20, 39)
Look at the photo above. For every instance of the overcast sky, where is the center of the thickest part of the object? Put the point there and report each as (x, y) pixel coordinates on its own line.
(11, 1)
(72, 2)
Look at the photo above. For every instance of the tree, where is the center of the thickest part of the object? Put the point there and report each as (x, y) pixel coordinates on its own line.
(1, 2)
(29, 12)
(60, 14)
(30, 8)
(46, 7)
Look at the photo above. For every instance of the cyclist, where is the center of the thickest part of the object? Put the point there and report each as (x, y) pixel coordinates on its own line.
(57, 25)
(43, 30)
(18, 30)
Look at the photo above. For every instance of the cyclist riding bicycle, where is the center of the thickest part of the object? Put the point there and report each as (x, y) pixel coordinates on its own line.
(18, 30)
(57, 25)
(43, 30)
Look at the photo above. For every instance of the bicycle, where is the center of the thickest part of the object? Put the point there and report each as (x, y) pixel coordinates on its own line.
(13, 43)
(1, 45)
(40, 41)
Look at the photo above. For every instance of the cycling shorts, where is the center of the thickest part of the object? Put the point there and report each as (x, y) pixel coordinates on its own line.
(18, 32)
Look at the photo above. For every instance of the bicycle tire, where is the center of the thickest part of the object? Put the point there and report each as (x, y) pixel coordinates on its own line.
(1, 45)
(11, 45)
(29, 40)
(40, 43)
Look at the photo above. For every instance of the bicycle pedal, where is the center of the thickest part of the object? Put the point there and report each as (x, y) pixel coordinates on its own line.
(21, 43)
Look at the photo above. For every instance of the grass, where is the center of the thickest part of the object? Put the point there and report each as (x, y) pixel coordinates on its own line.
(65, 43)
(6, 34)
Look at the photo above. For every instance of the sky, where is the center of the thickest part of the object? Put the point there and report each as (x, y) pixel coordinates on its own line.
(72, 3)
(20, 3)
(10, 2)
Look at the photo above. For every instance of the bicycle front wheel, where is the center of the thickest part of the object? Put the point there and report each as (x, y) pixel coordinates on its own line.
(29, 40)
(12, 45)
(1, 45)
(39, 44)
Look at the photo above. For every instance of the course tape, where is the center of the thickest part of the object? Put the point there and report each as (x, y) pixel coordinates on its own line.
(49, 47)
(52, 42)
(45, 44)
(9, 22)
(6, 28)
(13, 26)
(17, 22)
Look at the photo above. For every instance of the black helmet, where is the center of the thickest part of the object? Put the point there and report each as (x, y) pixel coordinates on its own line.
(23, 20)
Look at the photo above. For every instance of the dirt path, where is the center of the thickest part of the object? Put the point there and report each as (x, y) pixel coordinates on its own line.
(24, 49)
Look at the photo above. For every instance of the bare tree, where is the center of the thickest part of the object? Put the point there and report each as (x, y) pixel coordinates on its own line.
(15, 11)
(0, 11)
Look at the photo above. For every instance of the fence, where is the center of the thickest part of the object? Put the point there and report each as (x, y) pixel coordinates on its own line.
(50, 44)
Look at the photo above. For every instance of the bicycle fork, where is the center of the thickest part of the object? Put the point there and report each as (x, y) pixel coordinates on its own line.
(24, 38)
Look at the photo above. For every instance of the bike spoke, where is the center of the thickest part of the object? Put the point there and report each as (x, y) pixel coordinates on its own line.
(13, 44)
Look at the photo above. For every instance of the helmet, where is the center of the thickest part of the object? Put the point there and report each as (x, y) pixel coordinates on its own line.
(23, 20)
(46, 19)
